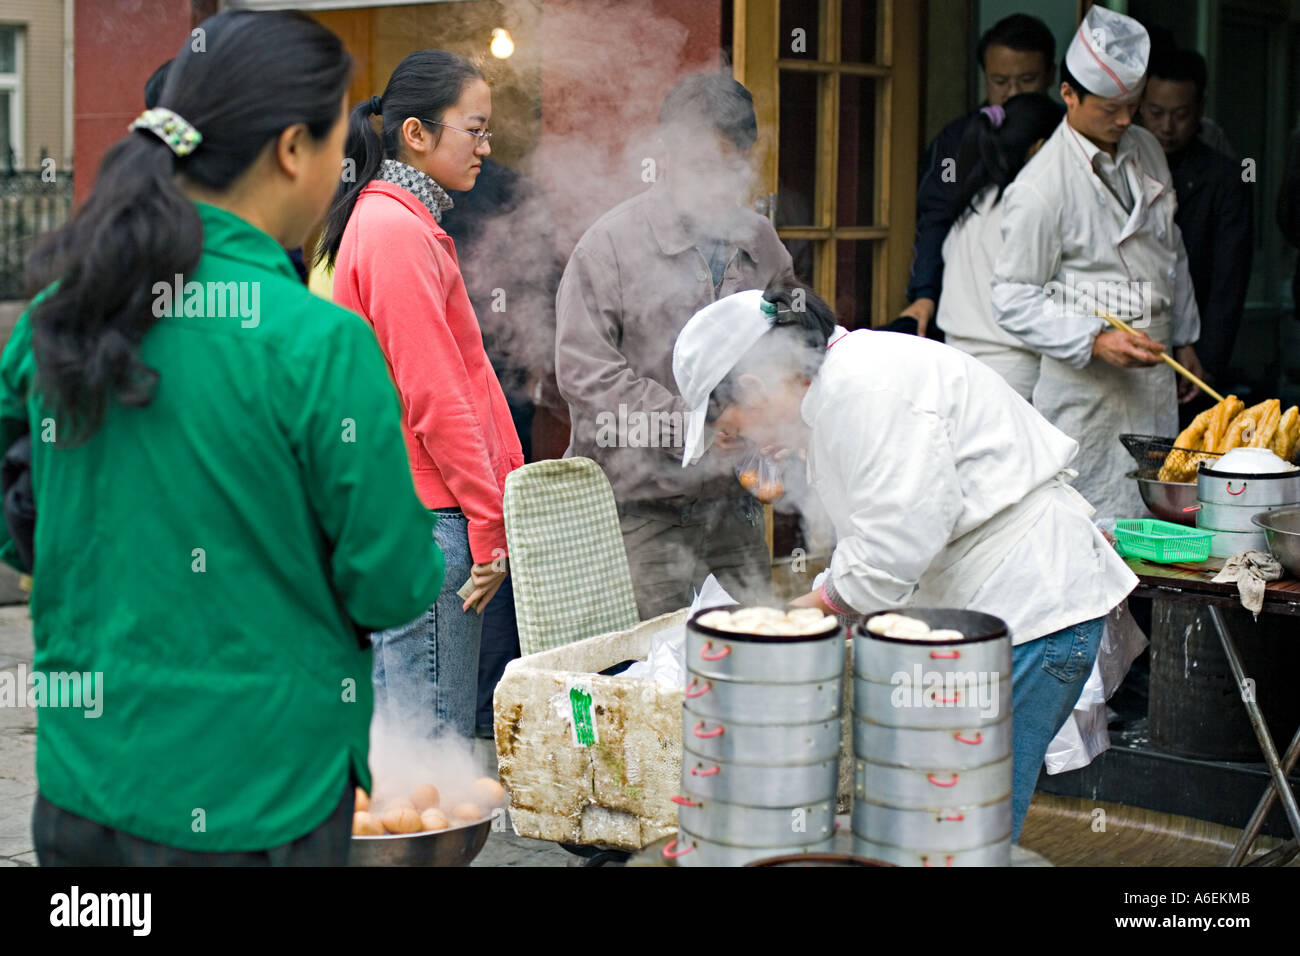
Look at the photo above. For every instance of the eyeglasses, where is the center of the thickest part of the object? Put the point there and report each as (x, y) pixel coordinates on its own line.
(482, 137)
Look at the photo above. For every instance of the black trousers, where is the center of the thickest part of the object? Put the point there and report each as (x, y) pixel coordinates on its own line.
(65, 839)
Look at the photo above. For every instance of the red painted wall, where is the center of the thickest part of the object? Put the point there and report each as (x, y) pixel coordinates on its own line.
(118, 45)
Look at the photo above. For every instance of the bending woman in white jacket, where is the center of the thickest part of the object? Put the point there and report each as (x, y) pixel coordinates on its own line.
(944, 488)
(997, 144)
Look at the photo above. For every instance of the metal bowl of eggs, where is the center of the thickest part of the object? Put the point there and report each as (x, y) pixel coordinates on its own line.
(421, 829)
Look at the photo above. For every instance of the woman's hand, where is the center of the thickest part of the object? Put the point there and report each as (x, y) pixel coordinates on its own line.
(487, 581)
(813, 599)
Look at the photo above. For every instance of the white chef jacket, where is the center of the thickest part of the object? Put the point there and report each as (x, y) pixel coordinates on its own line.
(1070, 246)
(913, 446)
(966, 307)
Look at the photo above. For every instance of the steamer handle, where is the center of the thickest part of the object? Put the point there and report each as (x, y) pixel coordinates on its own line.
(942, 656)
(704, 655)
(1188, 511)
(925, 861)
(1242, 492)
(979, 737)
(954, 817)
(711, 734)
(684, 801)
(949, 700)
(696, 772)
(698, 693)
(671, 852)
(939, 783)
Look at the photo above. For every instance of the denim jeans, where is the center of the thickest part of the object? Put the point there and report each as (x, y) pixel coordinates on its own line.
(426, 671)
(1048, 675)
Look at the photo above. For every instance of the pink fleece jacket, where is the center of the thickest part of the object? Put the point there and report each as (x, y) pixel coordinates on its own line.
(398, 269)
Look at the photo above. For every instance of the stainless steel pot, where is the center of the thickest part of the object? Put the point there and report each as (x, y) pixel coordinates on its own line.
(749, 703)
(690, 849)
(950, 749)
(995, 854)
(960, 702)
(1282, 529)
(955, 828)
(739, 825)
(759, 785)
(1250, 491)
(455, 846)
(1212, 517)
(762, 743)
(882, 660)
(1225, 544)
(1167, 500)
(779, 660)
(932, 789)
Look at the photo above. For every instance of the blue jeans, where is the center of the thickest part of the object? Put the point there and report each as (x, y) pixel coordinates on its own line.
(426, 672)
(1047, 676)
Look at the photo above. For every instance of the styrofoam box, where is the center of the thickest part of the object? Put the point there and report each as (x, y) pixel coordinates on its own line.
(616, 792)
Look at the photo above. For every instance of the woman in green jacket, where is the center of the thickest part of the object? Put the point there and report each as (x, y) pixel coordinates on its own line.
(224, 506)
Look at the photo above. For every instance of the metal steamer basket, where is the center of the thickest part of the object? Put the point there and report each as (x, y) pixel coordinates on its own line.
(932, 735)
(761, 729)
(1227, 501)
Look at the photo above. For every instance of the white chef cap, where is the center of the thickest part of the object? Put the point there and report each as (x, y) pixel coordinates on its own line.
(1109, 53)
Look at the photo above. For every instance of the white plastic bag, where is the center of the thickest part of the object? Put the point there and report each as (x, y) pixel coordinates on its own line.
(666, 662)
(1084, 735)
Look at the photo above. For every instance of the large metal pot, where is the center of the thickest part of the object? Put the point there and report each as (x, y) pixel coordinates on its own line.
(951, 829)
(763, 743)
(1225, 544)
(740, 825)
(995, 854)
(1167, 500)
(1211, 517)
(763, 659)
(455, 846)
(950, 749)
(690, 849)
(1282, 529)
(1247, 490)
(932, 789)
(750, 703)
(972, 701)
(759, 785)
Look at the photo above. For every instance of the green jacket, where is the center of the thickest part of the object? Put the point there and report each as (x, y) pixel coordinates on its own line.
(204, 559)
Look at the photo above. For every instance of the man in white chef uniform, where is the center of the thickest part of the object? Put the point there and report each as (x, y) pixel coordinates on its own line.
(1088, 226)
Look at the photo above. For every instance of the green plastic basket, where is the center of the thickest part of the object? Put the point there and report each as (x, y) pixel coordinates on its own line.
(1162, 541)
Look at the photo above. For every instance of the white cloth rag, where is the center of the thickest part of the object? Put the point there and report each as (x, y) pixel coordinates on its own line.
(1251, 570)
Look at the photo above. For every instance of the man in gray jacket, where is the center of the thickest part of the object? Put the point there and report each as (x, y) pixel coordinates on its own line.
(634, 280)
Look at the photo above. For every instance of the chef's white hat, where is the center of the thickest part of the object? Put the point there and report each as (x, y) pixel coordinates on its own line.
(1109, 53)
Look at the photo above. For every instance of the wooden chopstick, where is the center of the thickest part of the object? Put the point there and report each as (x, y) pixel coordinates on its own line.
(1178, 367)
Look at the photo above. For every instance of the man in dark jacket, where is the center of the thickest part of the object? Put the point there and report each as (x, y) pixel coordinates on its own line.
(1214, 207)
(1018, 55)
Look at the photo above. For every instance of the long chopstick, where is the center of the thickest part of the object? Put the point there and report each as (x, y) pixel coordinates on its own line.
(1179, 368)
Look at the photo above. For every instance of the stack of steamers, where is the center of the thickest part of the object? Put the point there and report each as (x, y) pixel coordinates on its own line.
(762, 731)
(761, 739)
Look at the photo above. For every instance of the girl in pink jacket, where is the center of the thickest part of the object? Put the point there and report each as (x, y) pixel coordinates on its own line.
(394, 264)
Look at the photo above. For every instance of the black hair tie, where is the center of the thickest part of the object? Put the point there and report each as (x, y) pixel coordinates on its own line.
(376, 105)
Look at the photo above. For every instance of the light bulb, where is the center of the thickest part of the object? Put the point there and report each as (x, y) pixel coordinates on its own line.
(501, 46)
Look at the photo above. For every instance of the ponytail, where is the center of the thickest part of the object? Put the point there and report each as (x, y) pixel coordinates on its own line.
(425, 85)
(994, 147)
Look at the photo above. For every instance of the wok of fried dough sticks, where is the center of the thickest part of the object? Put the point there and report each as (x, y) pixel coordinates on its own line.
(1230, 425)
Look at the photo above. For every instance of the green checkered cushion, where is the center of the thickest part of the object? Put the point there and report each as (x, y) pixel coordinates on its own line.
(566, 554)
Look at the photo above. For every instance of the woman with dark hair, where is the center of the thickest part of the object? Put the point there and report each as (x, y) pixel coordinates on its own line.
(944, 488)
(220, 479)
(396, 266)
(996, 146)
